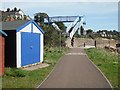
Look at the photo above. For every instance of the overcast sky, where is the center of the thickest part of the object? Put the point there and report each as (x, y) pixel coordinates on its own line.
(98, 15)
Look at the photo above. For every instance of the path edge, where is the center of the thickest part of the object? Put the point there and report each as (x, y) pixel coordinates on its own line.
(52, 69)
(100, 72)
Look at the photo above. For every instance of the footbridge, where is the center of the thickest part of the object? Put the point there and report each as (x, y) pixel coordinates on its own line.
(75, 23)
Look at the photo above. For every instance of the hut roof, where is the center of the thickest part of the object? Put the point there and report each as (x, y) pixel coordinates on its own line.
(2, 32)
(17, 25)
(13, 25)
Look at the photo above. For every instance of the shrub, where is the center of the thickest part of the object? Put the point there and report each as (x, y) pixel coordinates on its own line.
(14, 72)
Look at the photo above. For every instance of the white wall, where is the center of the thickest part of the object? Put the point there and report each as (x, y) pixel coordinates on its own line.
(36, 30)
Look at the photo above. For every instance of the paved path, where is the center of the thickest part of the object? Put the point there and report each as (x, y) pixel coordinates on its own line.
(74, 70)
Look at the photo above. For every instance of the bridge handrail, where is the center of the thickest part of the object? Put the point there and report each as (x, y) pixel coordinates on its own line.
(74, 30)
(77, 26)
(72, 24)
(61, 19)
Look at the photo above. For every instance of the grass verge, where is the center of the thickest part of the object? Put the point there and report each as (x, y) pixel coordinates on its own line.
(17, 78)
(107, 62)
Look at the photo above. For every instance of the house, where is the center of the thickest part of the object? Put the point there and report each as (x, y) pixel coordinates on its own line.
(24, 43)
(2, 44)
(14, 14)
(103, 34)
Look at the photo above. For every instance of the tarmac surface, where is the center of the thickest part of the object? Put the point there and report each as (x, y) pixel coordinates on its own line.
(75, 70)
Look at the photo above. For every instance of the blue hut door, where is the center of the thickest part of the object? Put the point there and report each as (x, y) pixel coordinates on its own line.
(30, 48)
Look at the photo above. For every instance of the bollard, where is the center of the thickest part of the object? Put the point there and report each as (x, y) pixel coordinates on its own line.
(95, 43)
(72, 42)
(84, 44)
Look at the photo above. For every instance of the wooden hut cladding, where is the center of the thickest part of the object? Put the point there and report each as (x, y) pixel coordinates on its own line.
(2, 51)
(24, 44)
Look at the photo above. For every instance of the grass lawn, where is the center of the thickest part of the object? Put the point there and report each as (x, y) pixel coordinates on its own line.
(17, 78)
(107, 62)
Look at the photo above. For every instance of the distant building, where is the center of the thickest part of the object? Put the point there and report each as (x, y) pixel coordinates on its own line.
(103, 34)
(84, 32)
(14, 14)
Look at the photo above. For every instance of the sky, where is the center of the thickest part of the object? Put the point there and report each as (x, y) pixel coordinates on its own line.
(98, 15)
